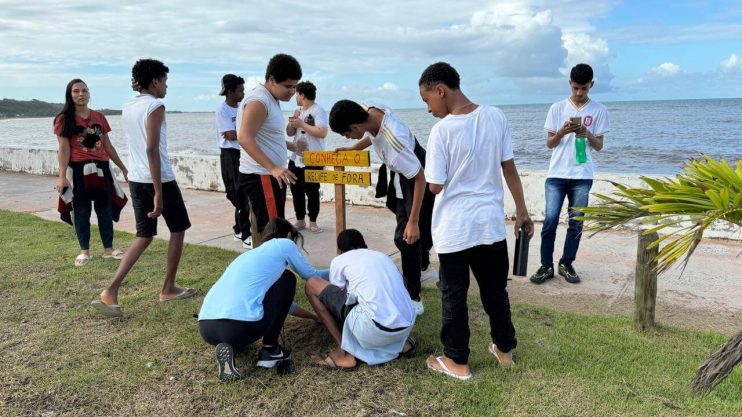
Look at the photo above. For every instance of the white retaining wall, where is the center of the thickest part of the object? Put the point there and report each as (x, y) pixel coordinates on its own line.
(203, 173)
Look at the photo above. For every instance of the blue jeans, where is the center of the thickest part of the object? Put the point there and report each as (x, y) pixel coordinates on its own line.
(577, 193)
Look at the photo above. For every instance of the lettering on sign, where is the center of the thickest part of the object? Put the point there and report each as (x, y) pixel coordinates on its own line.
(337, 159)
(337, 177)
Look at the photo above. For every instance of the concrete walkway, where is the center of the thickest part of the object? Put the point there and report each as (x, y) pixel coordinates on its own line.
(707, 295)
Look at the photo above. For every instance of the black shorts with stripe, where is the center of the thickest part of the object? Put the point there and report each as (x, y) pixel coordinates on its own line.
(267, 198)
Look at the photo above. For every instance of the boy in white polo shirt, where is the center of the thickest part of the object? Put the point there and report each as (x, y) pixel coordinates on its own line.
(407, 196)
(152, 185)
(469, 152)
(568, 176)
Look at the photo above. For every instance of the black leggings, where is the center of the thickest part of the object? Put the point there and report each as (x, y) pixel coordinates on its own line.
(239, 334)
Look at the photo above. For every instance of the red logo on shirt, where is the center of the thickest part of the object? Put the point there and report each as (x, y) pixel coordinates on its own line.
(587, 121)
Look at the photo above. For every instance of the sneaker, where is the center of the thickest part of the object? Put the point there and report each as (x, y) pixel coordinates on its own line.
(247, 243)
(568, 273)
(225, 360)
(269, 357)
(418, 307)
(238, 236)
(428, 274)
(543, 273)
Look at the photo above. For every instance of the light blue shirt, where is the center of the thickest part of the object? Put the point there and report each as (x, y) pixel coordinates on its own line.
(238, 294)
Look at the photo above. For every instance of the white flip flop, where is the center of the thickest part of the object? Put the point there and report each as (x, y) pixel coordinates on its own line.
(112, 310)
(444, 370)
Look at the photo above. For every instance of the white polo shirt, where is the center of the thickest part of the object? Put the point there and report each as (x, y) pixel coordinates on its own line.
(563, 162)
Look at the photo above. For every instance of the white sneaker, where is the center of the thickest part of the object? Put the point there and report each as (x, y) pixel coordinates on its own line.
(238, 236)
(418, 307)
(247, 243)
(428, 274)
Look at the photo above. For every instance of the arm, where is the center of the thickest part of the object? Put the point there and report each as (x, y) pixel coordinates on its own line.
(595, 142)
(299, 263)
(154, 123)
(359, 146)
(554, 138)
(412, 230)
(435, 188)
(63, 156)
(252, 120)
(522, 219)
(290, 128)
(108, 146)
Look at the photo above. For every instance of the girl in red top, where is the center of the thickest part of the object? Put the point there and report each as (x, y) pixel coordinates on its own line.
(84, 149)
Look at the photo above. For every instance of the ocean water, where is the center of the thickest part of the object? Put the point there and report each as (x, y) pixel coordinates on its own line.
(646, 137)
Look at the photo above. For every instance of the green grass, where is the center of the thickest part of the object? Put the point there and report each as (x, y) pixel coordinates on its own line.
(58, 356)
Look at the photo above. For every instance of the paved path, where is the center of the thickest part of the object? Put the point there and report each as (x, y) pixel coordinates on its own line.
(707, 295)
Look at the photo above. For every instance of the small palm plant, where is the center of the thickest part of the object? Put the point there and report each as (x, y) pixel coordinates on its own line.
(706, 191)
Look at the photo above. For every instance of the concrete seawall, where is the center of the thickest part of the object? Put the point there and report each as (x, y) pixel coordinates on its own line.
(203, 173)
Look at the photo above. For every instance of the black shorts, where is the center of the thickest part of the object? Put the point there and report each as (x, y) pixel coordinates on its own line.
(173, 211)
(334, 298)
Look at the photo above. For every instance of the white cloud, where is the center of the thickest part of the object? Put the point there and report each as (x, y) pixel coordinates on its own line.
(389, 86)
(667, 69)
(252, 81)
(732, 64)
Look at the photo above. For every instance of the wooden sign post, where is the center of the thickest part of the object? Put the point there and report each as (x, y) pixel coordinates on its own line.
(339, 176)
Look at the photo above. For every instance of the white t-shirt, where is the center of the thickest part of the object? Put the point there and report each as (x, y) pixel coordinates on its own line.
(226, 119)
(465, 155)
(270, 137)
(320, 119)
(375, 282)
(395, 145)
(563, 162)
(134, 116)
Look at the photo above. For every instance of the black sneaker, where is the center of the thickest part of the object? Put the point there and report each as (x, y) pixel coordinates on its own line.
(543, 273)
(269, 357)
(569, 273)
(225, 359)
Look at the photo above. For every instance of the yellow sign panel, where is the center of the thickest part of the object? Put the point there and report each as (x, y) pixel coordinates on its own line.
(337, 177)
(337, 159)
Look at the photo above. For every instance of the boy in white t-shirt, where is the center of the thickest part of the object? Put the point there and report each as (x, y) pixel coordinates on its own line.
(264, 174)
(364, 306)
(407, 195)
(568, 176)
(233, 90)
(308, 122)
(469, 152)
(152, 185)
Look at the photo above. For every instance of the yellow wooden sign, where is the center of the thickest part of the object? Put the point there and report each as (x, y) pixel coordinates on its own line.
(337, 177)
(337, 159)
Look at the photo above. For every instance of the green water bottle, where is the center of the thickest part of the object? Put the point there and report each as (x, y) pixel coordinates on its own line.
(581, 150)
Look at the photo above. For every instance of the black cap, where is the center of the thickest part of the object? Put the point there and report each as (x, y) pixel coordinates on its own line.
(230, 81)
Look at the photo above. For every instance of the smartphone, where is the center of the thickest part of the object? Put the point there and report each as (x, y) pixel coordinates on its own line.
(576, 120)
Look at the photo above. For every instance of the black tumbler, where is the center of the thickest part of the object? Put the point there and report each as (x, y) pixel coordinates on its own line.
(520, 262)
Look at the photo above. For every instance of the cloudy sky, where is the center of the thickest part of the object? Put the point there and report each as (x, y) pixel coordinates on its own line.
(507, 52)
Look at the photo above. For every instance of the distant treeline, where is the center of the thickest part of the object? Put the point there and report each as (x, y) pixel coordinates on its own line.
(35, 108)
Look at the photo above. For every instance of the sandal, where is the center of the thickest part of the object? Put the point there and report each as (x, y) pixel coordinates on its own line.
(112, 310)
(444, 369)
(328, 362)
(315, 229)
(185, 294)
(82, 259)
(115, 254)
(411, 351)
(493, 350)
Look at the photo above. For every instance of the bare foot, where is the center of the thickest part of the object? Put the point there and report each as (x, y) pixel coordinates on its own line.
(177, 293)
(461, 371)
(337, 358)
(505, 359)
(109, 298)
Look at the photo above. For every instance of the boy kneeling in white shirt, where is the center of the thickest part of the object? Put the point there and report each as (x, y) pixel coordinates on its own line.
(367, 298)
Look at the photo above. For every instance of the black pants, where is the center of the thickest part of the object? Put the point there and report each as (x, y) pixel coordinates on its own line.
(416, 256)
(489, 263)
(239, 334)
(299, 188)
(229, 159)
(265, 196)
